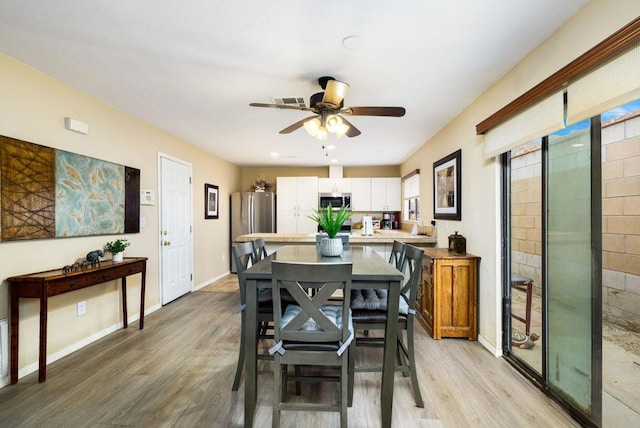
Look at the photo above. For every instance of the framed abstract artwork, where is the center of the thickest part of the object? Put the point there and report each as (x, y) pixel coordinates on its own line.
(447, 187)
(211, 201)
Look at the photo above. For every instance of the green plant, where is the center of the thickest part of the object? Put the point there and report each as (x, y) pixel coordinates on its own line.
(116, 246)
(331, 222)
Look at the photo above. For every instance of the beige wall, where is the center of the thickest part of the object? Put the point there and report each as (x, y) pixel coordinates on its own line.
(480, 178)
(33, 108)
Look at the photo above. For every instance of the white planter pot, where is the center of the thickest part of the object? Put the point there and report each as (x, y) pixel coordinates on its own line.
(117, 257)
(330, 247)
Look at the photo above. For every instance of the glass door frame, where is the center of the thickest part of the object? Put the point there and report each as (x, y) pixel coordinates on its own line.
(541, 379)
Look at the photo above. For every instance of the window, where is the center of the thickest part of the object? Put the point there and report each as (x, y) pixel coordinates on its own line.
(411, 196)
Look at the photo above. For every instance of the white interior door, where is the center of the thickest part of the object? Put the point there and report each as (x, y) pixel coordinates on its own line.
(176, 260)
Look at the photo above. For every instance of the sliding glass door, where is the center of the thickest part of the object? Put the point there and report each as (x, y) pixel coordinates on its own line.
(572, 236)
(552, 295)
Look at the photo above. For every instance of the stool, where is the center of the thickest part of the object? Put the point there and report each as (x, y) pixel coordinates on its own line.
(524, 284)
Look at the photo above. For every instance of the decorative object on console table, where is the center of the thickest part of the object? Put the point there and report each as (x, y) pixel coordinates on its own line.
(211, 201)
(331, 223)
(93, 257)
(447, 187)
(457, 243)
(448, 303)
(116, 248)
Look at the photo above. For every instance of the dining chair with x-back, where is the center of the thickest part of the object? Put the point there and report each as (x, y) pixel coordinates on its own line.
(312, 331)
(369, 313)
(244, 257)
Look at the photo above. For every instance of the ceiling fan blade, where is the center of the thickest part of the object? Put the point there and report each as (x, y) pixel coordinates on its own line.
(335, 92)
(281, 106)
(289, 129)
(374, 111)
(352, 131)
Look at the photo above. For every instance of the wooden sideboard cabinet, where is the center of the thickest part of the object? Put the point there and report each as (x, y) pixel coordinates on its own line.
(447, 299)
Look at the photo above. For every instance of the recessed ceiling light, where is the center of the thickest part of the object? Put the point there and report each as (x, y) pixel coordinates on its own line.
(352, 42)
(275, 154)
(330, 147)
(334, 160)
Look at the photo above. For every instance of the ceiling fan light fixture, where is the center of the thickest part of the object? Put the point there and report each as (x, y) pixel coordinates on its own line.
(322, 134)
(342, 129)
(333, 122)
(335, 92)
(312, 126)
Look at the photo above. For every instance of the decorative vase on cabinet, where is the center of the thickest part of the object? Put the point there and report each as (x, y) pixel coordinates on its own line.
(448, 303)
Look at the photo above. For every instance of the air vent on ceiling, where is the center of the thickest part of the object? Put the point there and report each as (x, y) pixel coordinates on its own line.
(292, 101)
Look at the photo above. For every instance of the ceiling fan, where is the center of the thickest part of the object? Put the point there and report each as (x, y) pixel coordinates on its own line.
(330, 111)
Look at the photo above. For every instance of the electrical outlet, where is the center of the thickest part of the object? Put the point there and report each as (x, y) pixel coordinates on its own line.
(82, 308)
(224, 257)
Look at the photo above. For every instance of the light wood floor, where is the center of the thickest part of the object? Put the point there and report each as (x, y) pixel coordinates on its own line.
(178, 372)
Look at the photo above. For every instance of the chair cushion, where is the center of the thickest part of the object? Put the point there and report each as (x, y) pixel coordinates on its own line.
(332, 312)
(375, 300)
(266, 295)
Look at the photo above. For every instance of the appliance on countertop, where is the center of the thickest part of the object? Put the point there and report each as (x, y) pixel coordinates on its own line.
(386, 221)
(367, 225)
(336, 200)
(251, 212)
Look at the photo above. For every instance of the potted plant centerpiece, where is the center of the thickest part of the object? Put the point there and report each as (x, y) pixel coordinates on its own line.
(116, 248)
(331, 222)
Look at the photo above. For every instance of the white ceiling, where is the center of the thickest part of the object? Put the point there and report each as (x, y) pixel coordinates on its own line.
(192, 67)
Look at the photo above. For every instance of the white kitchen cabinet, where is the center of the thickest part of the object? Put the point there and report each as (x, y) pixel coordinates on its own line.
(386, 194)
(334, 185)
(297, 197)
(360, 194)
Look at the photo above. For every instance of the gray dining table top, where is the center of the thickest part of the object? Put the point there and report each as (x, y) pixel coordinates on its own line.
(367, 264)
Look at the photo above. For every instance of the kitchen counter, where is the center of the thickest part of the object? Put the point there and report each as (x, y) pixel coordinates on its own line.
(356, 238)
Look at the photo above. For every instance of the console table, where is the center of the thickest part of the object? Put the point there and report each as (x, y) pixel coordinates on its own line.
(42, 285)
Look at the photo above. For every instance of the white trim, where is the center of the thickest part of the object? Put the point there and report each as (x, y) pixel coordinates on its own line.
(210, 281)
(494, 351)
(162, 155)
(33, 367)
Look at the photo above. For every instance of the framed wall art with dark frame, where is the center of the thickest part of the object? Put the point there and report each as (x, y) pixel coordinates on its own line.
(447, 187)
(211, 201)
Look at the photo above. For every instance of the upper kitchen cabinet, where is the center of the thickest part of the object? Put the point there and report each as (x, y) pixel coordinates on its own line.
(334, 185)
(297, 198)
(386, 194)
(360, 194)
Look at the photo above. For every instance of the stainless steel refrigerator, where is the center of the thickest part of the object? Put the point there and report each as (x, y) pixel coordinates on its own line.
(251, 212)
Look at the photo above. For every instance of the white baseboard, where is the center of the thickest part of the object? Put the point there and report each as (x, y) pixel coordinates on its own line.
(497, 352)
(210, 281)
(33, 367)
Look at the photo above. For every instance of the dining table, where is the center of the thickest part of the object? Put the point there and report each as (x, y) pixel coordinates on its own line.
(370, 271)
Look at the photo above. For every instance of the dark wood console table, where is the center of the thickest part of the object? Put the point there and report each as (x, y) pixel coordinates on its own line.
(42, 285)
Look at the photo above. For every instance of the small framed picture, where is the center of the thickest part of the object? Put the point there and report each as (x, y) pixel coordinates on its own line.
(447, 187)
(211, 201)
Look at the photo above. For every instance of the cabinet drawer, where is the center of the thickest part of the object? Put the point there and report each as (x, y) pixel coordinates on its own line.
(67, 286)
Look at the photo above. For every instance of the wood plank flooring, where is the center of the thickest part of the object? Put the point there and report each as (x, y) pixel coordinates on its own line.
(178, 372)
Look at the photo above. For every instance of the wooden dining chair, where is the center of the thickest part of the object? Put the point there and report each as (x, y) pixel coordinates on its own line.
(244, 257)
(370, 314)
(310, 331)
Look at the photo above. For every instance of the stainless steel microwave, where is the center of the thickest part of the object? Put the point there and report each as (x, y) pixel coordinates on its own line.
(336, 200)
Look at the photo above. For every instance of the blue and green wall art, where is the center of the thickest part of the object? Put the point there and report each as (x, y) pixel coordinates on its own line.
(50, 193)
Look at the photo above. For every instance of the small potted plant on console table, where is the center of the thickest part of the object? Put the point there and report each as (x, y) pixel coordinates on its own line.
(116, 248)
(331, 223)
